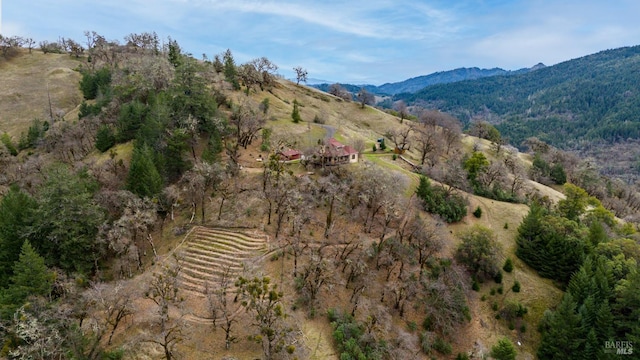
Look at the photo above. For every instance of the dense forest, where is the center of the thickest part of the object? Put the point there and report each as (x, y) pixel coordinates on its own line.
(589, 99)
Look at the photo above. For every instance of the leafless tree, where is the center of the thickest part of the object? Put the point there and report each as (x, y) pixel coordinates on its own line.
(146, 41)
(301, 74)
(365, 98)
(401, 137)
(110, 305)
(30, 43)
(163, 291)
(401, 107)
(315, 275)
(339, 91)
(266, 69)
(494, 174)
(246, 121)
(428, 142)
(220, 307)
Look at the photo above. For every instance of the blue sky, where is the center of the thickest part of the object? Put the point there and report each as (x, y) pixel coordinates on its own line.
(373, 41)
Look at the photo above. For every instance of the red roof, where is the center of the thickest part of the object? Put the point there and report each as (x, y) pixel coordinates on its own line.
(291, 152)
(338, 149)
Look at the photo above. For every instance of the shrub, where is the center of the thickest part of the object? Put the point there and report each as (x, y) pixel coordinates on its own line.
(477, 212)
(498, 277)
(6, 140)
(462, 356)
(441, 346)
(516, 286)
(500, 290)
(508, 265)
(449, 205)
(475, 286)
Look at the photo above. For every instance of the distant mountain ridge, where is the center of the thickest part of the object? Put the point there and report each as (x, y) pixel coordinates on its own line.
(584, 105)
(418, 83)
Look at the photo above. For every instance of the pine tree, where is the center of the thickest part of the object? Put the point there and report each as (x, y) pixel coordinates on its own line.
(144, 179)
(295, 114)
(31, 277)
(105, 138)
(230, 70)
(504, 350)
(561, 335)
(15, 217)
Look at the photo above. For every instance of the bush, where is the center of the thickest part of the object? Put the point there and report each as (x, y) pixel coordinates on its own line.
(508, 265)
(477, 212)
(441, 346)
(450, 206)
(475, 286)
(498, 277)
(462, 356)
(506, 226)
(6, 140)
(516, 286)
(500, 290)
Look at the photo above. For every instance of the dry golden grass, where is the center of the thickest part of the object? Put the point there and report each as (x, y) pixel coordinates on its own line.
(23, 89)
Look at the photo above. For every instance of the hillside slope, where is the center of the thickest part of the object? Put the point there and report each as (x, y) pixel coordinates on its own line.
(36, 85)
(242, 239)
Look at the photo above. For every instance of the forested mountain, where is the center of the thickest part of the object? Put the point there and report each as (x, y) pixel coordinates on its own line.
(593, 98)
(441, 77)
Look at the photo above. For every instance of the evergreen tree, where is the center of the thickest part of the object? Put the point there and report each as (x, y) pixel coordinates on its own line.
(295, 114)
(143, 179)
(504, 350)
(230, 70)
(561, 335)
(557, 174)
(15, 217)
(31, 277)
(67, 220)
(131, 118)
(105, 138)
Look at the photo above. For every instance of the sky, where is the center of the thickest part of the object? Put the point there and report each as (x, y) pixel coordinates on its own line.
(358, 42)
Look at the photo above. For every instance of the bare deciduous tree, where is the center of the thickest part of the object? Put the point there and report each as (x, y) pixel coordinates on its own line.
(220, 307)
(163, 291)
(365, 98)
(339, 91)
(301, 74)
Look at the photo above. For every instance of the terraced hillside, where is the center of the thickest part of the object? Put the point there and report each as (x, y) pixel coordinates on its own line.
(207, 253)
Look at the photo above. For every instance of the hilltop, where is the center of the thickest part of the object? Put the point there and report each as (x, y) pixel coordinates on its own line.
(168, 172)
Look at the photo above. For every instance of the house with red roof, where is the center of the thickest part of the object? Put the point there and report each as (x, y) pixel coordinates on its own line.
(289, 155)
(335, 153)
